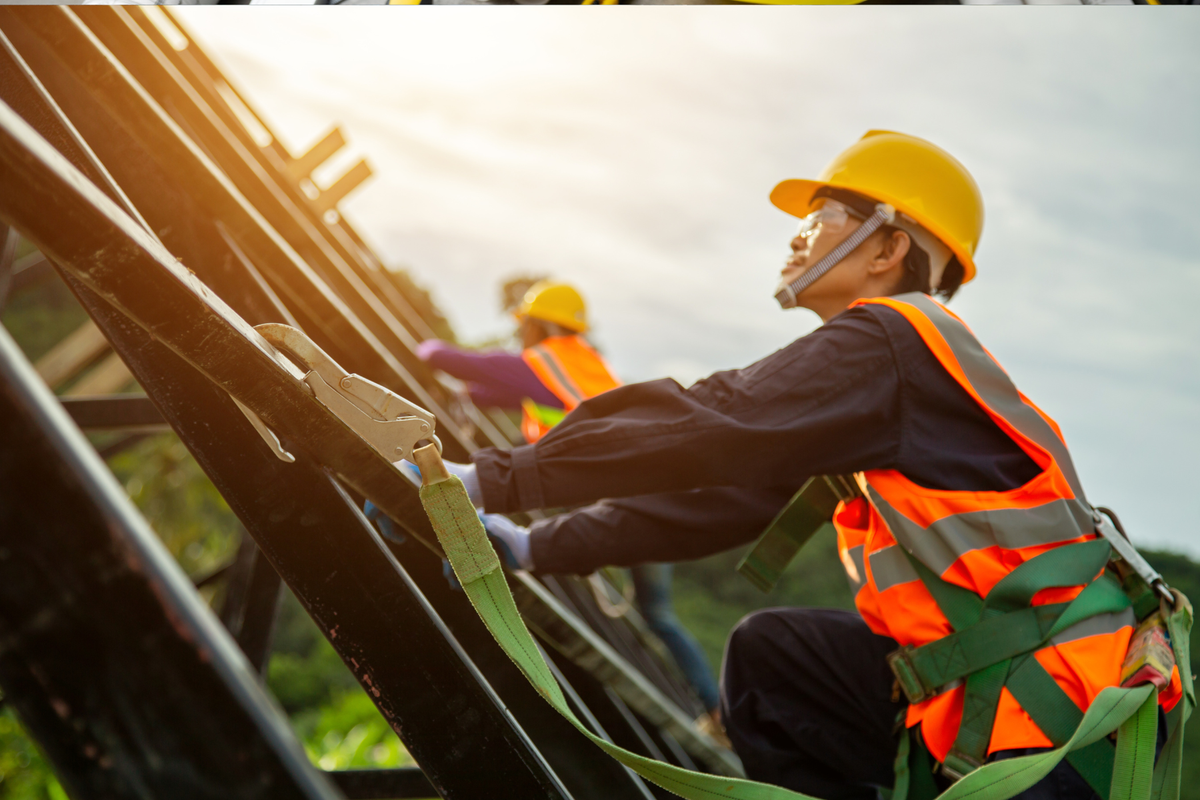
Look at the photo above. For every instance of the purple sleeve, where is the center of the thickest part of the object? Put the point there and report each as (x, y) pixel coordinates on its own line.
(493, 378)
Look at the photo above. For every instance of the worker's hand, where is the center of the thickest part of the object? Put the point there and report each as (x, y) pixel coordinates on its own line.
(510, 540)
(384, 522)
(464, 472)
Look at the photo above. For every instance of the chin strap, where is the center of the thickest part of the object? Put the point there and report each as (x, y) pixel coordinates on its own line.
(884, 215)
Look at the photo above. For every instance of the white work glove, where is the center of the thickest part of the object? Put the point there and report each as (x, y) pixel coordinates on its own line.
(510, 539)
(464, 472)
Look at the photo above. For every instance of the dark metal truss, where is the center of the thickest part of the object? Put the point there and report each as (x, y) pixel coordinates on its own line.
(123, 161)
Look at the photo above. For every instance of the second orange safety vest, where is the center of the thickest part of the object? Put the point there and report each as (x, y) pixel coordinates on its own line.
(974, 539)
(572, 370)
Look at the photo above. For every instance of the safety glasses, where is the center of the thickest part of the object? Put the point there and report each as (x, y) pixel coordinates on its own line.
(832, 217)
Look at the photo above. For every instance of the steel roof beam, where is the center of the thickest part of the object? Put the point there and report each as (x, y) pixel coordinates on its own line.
(179, 313)
(116, 29)
(565, 632)
(126, 680)
(61, 49)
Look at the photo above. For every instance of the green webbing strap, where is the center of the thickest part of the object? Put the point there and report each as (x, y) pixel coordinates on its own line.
(1134, 761)
(960, 606)
(1057, 716)
(981, 698)
(991, 641)
(1068, 565)
(1003, 627)
(808, 512)
(914, 766)
(1002, 779)
(1167, 772)
(478, 568)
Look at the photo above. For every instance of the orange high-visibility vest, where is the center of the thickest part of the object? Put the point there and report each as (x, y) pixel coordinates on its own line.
(973, 539)
(569, 368)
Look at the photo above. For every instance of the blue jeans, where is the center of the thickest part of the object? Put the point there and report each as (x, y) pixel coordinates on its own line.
(652, 595)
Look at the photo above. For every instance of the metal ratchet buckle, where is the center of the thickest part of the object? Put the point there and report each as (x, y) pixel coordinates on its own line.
(1129, 554)
(958, 765)
(384, 419)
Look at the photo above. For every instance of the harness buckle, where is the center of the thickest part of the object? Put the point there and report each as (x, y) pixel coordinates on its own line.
(958, 765)
(900, 662)
(1128, 553)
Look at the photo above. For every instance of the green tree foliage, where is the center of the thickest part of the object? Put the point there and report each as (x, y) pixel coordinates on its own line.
(335, 719)
(710, 596)
(180, 503)
(512, 290)
(42, 316)
(24, 773)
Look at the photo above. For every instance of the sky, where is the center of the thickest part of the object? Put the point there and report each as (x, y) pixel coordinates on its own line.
(631, 153)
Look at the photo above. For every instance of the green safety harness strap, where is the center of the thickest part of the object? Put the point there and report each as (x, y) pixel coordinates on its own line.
(478, 569)
(986, 649)
(1008, 634)
(805, 515)
(992, 646)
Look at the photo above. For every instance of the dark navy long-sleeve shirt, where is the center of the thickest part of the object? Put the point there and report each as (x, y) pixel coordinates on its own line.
(705, 469)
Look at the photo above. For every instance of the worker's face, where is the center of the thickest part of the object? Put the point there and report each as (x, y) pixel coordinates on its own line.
(864, 272)
(819, 232)
(530, 332)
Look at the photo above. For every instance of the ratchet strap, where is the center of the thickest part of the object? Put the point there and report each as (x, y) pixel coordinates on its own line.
(1132, 711)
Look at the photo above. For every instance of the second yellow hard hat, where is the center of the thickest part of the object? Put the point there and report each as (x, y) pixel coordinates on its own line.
(553, 302)
(916, 177)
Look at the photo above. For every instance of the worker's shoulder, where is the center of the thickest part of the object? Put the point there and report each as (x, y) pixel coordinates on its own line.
(869, 326)
(858, 336)
(850, 346)
(861, 330)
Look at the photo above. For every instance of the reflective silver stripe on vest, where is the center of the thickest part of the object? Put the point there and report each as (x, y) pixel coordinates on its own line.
(994, 385)
(551, 362)
(950, 538)
(890, 567)
(856, 572)
(1097, 625)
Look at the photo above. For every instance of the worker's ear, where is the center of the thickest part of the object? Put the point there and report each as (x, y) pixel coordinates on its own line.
(890, 250)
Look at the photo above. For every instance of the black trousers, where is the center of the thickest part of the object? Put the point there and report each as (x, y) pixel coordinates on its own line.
(806, 697)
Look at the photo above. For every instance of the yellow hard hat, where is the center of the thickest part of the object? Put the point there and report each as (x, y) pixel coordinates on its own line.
(916, 177)
(555, 302)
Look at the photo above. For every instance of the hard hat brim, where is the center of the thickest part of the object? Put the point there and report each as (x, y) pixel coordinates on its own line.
(520, 315)
(795, 196)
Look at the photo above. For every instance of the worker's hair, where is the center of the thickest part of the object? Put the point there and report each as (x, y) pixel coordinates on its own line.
(916, 260)
(916, 271)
